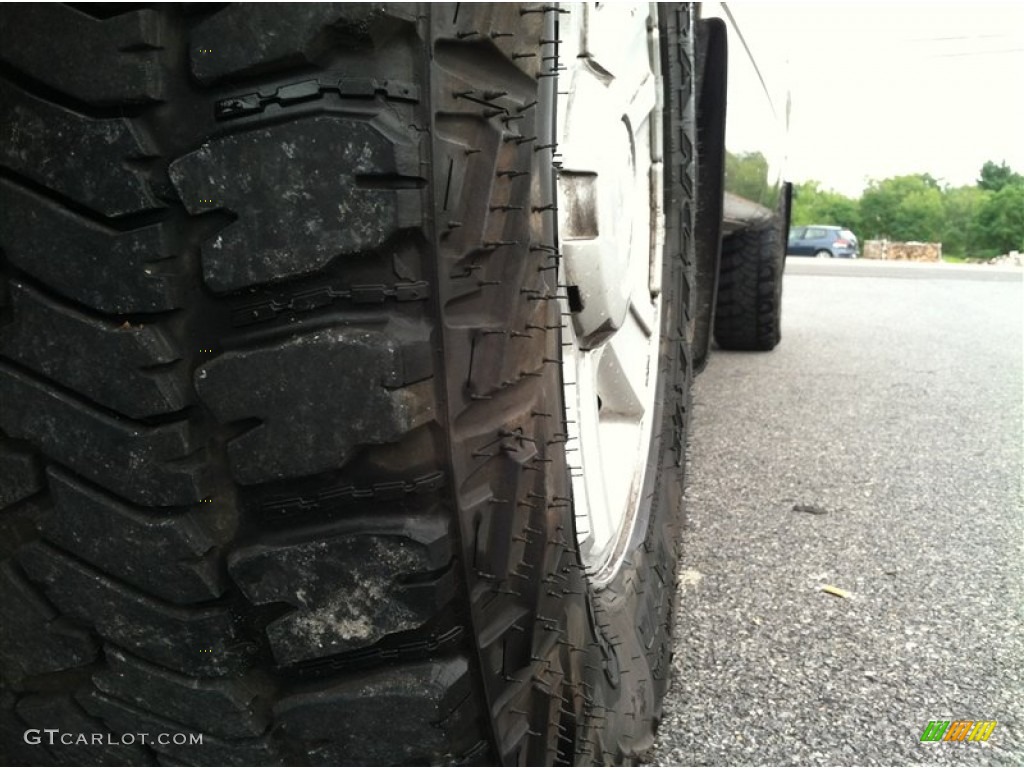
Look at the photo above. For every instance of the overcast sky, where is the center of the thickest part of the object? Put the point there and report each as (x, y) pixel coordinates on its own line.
(883, 89)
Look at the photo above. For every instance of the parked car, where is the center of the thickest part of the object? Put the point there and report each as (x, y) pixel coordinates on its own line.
(824, 242)
(345, 367)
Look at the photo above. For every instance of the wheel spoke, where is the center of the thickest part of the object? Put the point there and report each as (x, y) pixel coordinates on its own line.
(622, 374)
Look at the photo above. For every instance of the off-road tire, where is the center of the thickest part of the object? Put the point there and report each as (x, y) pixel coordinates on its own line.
(281, 420)
(748, 314)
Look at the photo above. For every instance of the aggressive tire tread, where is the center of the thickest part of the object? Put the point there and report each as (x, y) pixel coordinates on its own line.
(281, 419)
(748, 316)
(129, 354)
(125, 416)
(76, 156)
(103, 268)
(101, 61)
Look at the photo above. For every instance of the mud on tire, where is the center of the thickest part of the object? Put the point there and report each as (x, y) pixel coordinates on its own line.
(281, 422)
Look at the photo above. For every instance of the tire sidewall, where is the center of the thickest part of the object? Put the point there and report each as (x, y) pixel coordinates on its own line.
(632, 615)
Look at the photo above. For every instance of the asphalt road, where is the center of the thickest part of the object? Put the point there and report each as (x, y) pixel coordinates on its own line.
(892, 411)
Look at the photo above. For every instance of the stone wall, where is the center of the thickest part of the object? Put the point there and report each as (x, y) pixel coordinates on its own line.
(883, 249)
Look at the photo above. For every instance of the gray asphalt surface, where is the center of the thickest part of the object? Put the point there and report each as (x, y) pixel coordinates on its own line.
(893, 407)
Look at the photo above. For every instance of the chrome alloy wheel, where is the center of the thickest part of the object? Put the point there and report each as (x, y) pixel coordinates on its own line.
(611, 225)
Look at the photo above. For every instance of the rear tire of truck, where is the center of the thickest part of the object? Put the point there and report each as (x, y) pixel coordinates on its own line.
(748, 314)
(286, 461)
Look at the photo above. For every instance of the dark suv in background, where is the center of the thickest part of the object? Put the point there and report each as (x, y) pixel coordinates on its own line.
(823, 242)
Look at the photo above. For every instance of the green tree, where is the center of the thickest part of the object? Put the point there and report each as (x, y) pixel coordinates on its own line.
(994, 177)
(961, 206)
(1000, 220)
(920, 216)
(814, 205)
(983, 220)
(903, 208)
(746, 174)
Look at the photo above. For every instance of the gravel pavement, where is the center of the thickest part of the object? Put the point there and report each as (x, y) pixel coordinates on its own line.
(877, 450)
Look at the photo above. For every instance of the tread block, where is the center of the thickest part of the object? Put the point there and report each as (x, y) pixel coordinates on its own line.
(33, 638)
(77, 156)
(233, 709)
(347, 589)
(235, 41)
(98, 61)
(20, 475)
(61, 711)
(50, 338)
(391, 716)
(143, 464)
(192, 641)
(109, 271)
(123, 718)
(128, 541)
(296, 189)
(319, 397)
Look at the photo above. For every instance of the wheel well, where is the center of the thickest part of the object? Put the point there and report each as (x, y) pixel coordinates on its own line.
(712, 78)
